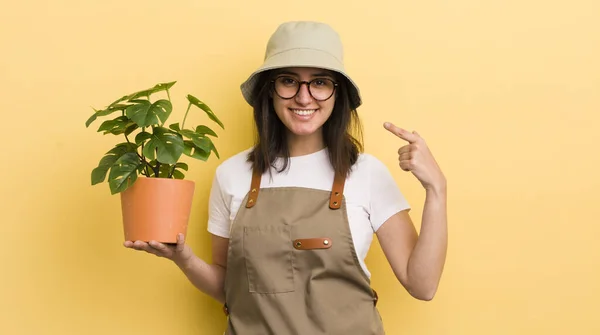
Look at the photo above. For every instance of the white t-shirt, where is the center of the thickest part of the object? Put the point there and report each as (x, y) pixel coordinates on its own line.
(371, 193)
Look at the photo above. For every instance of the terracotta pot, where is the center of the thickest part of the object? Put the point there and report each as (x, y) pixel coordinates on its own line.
(156, 209)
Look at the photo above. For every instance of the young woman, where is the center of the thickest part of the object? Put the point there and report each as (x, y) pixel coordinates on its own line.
(293, 217)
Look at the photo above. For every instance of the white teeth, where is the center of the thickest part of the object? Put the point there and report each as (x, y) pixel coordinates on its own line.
(304, 112)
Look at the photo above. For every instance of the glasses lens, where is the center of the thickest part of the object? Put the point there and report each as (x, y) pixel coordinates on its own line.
(321, 89)
(286, 87)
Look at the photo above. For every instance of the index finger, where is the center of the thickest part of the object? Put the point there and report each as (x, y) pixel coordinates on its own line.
(403, 134)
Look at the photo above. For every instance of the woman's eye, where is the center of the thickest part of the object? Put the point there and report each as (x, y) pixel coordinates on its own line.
(287, 81)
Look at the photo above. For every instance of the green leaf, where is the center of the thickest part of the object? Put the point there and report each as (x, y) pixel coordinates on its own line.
(90, 120)
(190, 149)
(168, 144)
(212, 147)
(121, 99)
(111, 109)
(140, 169)
(175, 126)
(124, 172)
(163, 86)
(144, 93)
(199, 140)
(119, 122)
(182, 166)
(153, 163)
(164, 171)
(204, 130)
(131, 128)
(117, 126)
(178, 174)
(104, 112)
(145, 114)
(203, 143)
(109, 159)
(194, 101)
(141, 137)
(190, 134)
(157, 88)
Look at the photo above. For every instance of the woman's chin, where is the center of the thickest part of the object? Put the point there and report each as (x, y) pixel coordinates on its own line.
(304, 131)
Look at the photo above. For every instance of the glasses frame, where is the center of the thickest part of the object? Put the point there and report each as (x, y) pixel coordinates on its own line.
(302, 82)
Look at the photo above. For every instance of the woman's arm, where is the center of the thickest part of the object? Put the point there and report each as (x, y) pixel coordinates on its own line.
(208, 278)
(418, 260)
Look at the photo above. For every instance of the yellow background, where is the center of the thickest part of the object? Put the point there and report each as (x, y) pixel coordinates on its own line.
(505, 93)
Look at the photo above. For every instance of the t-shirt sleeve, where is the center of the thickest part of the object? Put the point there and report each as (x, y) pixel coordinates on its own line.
(218, 210)
(386, 199)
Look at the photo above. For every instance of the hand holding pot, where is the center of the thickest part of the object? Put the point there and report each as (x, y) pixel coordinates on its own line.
(179, 253)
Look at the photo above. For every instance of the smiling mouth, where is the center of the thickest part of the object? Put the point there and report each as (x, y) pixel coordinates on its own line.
(303, 112)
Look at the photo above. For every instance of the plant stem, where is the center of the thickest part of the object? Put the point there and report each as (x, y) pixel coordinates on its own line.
(172, 171)
(146, 164)
(128, 141)
(157, 169)
(142, 158)
(168, 95)
(185, 116)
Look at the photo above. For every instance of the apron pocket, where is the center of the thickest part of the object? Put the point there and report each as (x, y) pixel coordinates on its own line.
(268, 253)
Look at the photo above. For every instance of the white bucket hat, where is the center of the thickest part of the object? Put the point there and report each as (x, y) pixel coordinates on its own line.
(303, 44)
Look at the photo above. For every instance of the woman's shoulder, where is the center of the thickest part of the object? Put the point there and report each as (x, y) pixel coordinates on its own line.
(367, 163)
(369, 170)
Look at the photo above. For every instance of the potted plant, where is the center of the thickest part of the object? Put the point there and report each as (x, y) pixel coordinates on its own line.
(146, 169)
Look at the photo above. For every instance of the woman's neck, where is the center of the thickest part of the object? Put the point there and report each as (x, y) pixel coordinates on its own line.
(305, 145)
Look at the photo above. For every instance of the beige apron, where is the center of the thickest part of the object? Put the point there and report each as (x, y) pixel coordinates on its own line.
(292, 267)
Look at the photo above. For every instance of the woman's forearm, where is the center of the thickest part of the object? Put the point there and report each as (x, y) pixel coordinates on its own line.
(427, 260)
(208, 278)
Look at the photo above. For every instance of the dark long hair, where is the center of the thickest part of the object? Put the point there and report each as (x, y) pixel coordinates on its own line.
(342, 132)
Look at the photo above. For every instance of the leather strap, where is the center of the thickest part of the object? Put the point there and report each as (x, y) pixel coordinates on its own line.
(337, 192)
(254, 188)
(312, 243)
(335, 199)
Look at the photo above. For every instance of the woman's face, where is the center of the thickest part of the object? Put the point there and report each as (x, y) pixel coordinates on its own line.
(304, 114)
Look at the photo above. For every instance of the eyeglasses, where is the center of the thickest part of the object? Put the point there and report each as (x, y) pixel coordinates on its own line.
(320, 89)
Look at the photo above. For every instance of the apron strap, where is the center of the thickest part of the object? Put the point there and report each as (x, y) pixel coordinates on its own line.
(337, 192)
(335, 199)
(254, 188)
